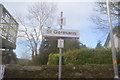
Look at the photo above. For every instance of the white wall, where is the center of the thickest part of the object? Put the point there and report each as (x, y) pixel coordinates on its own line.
(116, 41)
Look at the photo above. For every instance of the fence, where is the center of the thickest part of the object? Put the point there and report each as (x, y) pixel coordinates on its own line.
(2, 69)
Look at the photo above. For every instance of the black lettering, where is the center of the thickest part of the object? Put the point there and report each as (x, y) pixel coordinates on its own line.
(49, 31)
(55, 31)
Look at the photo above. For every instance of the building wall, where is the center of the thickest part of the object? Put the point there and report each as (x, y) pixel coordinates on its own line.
(116, 41)
(119, 43)
(8, 29)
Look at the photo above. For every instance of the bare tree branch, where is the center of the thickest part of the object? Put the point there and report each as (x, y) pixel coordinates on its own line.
(38, 16)
(101, 20)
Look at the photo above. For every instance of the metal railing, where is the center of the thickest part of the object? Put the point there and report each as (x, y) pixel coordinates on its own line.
(2, 69)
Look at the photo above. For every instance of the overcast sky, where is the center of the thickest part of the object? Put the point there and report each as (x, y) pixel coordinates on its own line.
(77, 16)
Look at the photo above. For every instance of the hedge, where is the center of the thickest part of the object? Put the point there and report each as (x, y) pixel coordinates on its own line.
(53, 59)
(87, 56)
(84, 57)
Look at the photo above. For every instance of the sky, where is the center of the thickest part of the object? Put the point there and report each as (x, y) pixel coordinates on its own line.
(77, 15)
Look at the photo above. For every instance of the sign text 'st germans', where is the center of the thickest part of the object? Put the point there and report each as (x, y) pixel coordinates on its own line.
(46, 32)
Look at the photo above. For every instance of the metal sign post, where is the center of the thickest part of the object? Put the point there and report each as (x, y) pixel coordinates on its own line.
(60, 46)
(115, 65)
(60, 42)
(60, 33)
(60, 63)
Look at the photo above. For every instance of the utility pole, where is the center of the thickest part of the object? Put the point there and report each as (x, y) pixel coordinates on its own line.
(115, 65)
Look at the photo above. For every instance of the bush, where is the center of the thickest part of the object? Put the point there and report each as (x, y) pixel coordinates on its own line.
(118, 54)
(9, 58)
(84, 57)
(40, 59)
(88, 56)
(53, 59)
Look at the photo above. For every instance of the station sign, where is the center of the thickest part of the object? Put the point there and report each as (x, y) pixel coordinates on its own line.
(65, 33)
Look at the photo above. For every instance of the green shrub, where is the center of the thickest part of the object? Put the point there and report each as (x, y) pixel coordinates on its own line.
(40, 59)
(9, 58)
(84, 57)
(53, 59)
(118, 54)
(88, 56)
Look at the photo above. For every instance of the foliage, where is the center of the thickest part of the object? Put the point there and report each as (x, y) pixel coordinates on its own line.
(52, 46)
(99, 45)
(24, 62)
(40, 59)
(84, 57)
(70, 44)
(44, 51)
(14, 58)
(39, 15)
(82, 46)
(101, 21)
(118, 56)
(88, 56)
(114, 7)
(8, 58)
(53, 59)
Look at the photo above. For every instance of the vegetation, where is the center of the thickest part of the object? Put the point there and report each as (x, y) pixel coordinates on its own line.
(102, 22)
(24, 62)
(8, 57)
(84, 57)
(39, 15)
(69, 72)
(71, 44)
(99, 45)
(49, 45)
(40, 59)
(53, 59)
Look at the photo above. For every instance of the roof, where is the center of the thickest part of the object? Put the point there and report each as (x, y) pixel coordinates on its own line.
(107, 40)
(4, 9)
(115, 31)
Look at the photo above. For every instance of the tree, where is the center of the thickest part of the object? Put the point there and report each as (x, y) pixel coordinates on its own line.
(101, 21)
(82, 46)
(9, 57)
(48, 45)
(51, 47)
(39, 15)
(25, 55)
(71, 44)
(99, 45)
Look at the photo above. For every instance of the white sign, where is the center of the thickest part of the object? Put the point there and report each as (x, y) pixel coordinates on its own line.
(60, 43)
(48, 32)
(61, 21)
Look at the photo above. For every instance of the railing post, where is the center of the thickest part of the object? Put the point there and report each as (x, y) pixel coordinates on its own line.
(2, 69)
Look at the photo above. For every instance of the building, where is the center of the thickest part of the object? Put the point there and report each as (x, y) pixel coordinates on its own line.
(8, 35)
(116, 34)
(8, 29)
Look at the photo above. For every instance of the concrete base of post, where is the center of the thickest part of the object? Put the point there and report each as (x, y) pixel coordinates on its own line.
(116, 77)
